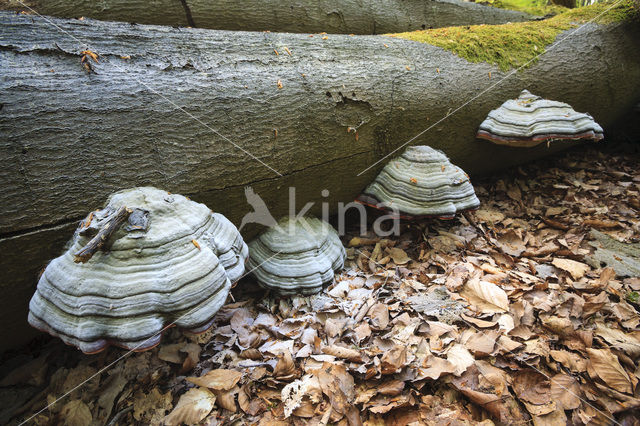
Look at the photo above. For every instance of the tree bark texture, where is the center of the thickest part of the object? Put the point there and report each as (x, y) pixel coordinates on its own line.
(299, 16)
(159, 99)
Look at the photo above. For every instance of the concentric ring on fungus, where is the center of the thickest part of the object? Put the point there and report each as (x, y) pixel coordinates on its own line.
(298, 256)
(531, 120)
(172, 263)
(421, 183)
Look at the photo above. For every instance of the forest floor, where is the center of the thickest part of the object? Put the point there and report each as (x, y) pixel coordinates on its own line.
(530, 314)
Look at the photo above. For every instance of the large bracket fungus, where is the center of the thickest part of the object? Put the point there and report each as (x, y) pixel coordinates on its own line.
(298, 256)
(421, 182)
(530, 120)
(169, 261)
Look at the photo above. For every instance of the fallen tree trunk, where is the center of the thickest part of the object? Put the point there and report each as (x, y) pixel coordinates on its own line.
(331, 16)
(154, 108)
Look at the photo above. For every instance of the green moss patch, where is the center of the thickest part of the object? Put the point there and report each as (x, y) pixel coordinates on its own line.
(533, 7)
(514, 45)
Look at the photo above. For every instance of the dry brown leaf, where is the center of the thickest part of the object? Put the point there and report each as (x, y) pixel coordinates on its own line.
(393, 360)
(618, 339)
(76, 413)
(221, 379)
(285, 367)
(293, 393)
(482, 343)
(244, 400)
(390, 387)
(436, 367)
(511, 243)
(572, 361)
(362, 331)
(606, 365)
(556, 417)
(171, 353)
(379, 314)
(110, 389)
(151, 407)
(505, 344)
(193, 356)
(576, 269)
(532, 387)
(489, 215)
(399, 256)
(566, 390)
(485, 296)
(227, 399)
(339, 386)
(460, 358)
(192, 407)
(343, 353)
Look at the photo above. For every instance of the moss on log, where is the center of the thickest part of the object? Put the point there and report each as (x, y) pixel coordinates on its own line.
(145, 117)
(518, 44)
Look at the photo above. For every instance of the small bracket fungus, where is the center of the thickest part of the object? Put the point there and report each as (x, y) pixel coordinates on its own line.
(531, 120)
(145, 274)
(298, 256)
(421, 182)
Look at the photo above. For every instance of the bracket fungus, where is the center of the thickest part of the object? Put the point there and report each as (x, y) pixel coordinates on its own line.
(530, 120)
(421, 182)
(170, 261)
(297, 256)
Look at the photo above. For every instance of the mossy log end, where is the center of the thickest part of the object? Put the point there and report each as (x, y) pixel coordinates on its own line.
(296, 16)
(318, 116)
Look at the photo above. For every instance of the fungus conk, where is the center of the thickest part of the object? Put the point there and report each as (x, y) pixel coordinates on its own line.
(298, 256)
(172, 261)
(531, 120)
(421, 182)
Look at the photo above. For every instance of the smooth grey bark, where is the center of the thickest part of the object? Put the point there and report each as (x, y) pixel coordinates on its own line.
(331, 16)
(69, 138)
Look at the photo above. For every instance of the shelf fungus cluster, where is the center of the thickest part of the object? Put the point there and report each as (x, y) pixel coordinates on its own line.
(421, 182)
(530, 120)
(146, 261)
(298, 256)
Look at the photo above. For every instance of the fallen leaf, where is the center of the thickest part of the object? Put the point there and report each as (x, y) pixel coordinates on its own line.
(227, 398)
(285, 367)
(393, 360)
(399, 256)
(217, 379)
(576, 269)
(379, 314)
(566, 390)
(171, 353)
(193, 356)
(151, 407)
(485, 296)
(76, 413)
(606, 365)
(511, 244)
(192, 407)
(460, 358)
(532, 387)
(343, 353)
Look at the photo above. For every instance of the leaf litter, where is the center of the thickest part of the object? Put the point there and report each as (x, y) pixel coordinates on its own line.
(530, 314)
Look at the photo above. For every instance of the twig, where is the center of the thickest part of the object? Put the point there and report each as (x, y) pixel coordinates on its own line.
(98, 242)
(554, 224)
(114, 421)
